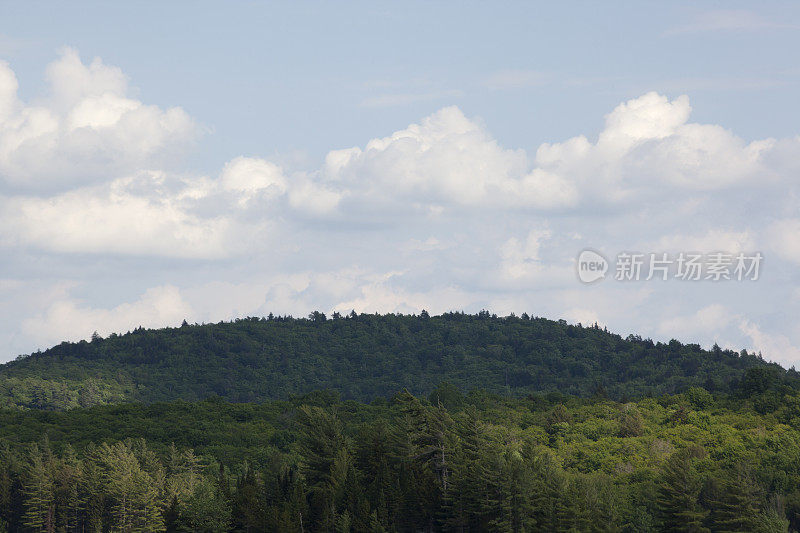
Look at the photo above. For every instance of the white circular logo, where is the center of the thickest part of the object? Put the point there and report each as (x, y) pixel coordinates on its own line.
(591, 266)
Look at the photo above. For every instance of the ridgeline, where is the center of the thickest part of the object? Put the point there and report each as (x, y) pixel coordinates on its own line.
(363, 357)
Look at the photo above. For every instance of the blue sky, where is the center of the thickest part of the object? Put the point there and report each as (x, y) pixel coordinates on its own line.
(161, 161)
(295, 77)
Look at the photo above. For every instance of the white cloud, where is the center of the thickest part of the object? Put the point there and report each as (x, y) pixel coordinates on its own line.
(314, 198)
(520, 259)
(251, 176)
(438, 215)
(118, 218)
(87, 129)
(380, 296)
(648, 117)
(586, 317)
(447, 159)
(774, 347)
(67, 319)
(648, 148)
(707, 322)
(713, 240)
(783, 237)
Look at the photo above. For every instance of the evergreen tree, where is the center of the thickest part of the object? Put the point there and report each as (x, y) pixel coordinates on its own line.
(514, 501)
(327, 463)
(39, 488)
(736, 506)
(677, 501)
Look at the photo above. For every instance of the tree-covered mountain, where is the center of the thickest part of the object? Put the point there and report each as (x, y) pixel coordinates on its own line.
(512, 424)
(364, 357)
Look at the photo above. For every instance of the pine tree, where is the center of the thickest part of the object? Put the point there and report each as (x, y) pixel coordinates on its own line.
(678, 496)
(134, 493)
(476, 487)
(736, 506)
(38, 489)
(431, 435)
(91, 487)
(516, 483)
(327, 462)
(68, 500)
(418, 487)
(554, 507)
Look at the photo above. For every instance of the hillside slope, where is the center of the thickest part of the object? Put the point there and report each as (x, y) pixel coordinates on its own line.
(363, 357)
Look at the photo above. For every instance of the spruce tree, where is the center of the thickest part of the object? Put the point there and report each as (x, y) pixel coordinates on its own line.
(678, 493)
(38, 489)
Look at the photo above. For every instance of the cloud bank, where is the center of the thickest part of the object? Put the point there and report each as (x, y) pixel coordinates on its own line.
(437, 215)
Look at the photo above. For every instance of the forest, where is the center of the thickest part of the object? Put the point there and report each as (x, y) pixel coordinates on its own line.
(450, 462)
(364, 357)
(588, 441)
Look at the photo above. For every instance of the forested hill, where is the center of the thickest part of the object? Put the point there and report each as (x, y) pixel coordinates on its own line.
(363, 357)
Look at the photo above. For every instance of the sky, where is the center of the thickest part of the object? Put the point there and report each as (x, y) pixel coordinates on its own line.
(162, 161)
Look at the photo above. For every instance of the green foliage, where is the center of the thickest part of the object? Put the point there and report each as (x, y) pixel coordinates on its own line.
(678, 500)
(34, 392)
(368, 356)
(631, 423)
(699, 397)
(503, 424)
(204, 510)
(492, 464)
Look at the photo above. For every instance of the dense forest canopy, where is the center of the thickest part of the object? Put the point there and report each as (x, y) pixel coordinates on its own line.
(364, 357)
(395, 423)
(450, 462)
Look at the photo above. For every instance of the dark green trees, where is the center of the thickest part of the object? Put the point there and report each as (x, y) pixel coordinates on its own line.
(367, 356)
(678, 496)
(546, 463)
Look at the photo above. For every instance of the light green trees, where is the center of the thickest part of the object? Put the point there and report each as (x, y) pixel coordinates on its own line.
(38, 489)
(134, 492)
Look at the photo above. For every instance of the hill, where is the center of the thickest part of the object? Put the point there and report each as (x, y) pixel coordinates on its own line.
(364, 357)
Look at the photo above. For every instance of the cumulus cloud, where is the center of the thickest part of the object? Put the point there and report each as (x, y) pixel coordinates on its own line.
(521, 259)
(783, 238)
(67, 319)
(708, 321)
(116, 219)
(718, 322)
(437, 215)
(87, 129)
(712, 240)
(381, 296)
(774, 347)
(446, 159)
(583, 316)
(648, 147)
(250, 176)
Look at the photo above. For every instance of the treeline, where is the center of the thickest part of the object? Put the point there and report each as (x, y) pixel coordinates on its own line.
(122, 486)
(450, 462)
(364, 357)
(35, 392)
